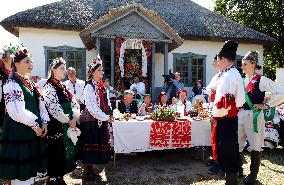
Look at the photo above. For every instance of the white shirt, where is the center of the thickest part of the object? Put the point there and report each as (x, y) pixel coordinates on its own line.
(77, 88)
(111, 94)
(140, 86)
(230, 82)
(41, 84)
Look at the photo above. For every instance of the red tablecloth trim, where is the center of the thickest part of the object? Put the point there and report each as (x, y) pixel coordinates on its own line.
(160, 134)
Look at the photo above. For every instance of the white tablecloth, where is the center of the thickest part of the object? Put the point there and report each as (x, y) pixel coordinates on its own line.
(134, 136)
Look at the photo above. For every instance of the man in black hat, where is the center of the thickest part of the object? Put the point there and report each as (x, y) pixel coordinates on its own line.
(228, 99)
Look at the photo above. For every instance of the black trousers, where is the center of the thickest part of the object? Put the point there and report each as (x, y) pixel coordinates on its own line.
(227, 144)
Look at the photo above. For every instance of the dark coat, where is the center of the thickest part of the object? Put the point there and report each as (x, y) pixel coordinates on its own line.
(133, 107)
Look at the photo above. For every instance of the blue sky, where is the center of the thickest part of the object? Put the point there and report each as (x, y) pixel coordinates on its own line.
(10, 7)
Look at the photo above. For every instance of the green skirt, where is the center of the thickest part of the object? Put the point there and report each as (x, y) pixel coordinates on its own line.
(22, 154)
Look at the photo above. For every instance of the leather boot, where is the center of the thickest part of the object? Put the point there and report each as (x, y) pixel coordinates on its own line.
(241, 171)
(254, 168)
(231, 179)
(60, 181)
(89, 174)
(49, 182)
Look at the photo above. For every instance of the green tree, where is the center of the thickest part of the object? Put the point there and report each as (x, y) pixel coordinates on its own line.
(266, 16)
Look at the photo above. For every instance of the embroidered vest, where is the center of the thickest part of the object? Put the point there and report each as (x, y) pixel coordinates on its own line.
(255, 95)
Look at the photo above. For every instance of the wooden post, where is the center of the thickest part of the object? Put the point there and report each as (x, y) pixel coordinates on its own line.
(166, 63)
(153, 70)
(98, 46)
(112, 58)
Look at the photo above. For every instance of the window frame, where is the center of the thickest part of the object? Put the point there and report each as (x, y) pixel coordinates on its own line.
(190, 56)
(65, 49)
(239, 57)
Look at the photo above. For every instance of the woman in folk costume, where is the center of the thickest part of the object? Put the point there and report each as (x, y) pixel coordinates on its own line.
(252, 115)
(228, 98)
(182, 93)
(94, 122)
(22, 150)
(146, 107)
(162, 99)
(211, 91)
(64, 113)
(6, 59)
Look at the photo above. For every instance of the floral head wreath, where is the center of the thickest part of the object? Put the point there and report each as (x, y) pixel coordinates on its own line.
(57, 61)
(54, 63)
(97, 62)
(8, 50)
(21, 52)
(182, 90)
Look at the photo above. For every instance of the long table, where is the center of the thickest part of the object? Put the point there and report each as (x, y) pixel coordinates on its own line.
(134, 136)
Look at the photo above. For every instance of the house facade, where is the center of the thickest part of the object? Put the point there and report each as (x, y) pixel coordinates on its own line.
(147, 38)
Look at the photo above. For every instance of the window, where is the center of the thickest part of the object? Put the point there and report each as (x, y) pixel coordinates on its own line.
(238, 64)
(191, 66)
(74, 57)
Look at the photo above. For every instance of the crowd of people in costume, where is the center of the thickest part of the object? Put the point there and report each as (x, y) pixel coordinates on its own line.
(47, 126)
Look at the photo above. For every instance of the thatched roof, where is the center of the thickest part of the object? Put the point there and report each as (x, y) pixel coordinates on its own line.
(118, 13)
(188, 19)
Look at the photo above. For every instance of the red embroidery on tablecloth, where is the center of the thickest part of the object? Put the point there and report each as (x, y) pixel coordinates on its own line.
(160, 134)
(181, 134)
(170, 134)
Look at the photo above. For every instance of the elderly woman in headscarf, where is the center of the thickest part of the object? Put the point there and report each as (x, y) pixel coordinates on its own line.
(95, 122)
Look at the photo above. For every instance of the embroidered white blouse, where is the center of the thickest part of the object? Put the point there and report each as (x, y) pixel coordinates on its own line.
(53, 106)
(15, 105)
(92, 102)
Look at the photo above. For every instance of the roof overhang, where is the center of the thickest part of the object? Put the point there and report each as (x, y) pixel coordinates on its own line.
(110, 25)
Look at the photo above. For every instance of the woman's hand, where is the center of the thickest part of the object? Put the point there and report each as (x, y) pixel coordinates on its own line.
(143, 108)
(38, 131)
(73, 123)
(111, 119)
(266, 99)
(44, 129)
(260, 106)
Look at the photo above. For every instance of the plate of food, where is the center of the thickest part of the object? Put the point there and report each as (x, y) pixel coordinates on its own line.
(197, 118)
(140, 118)
(184, 118)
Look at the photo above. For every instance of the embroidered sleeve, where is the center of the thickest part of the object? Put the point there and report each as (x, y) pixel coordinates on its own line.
(52, 103)
(92, 103)
(43, 112)
(276, 90)
(75, 108)
(15, 104)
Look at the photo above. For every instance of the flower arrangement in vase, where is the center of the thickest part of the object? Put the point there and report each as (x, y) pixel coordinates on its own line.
(164, 114)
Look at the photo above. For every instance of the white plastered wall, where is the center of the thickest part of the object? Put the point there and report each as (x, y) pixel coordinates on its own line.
(36, 39)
